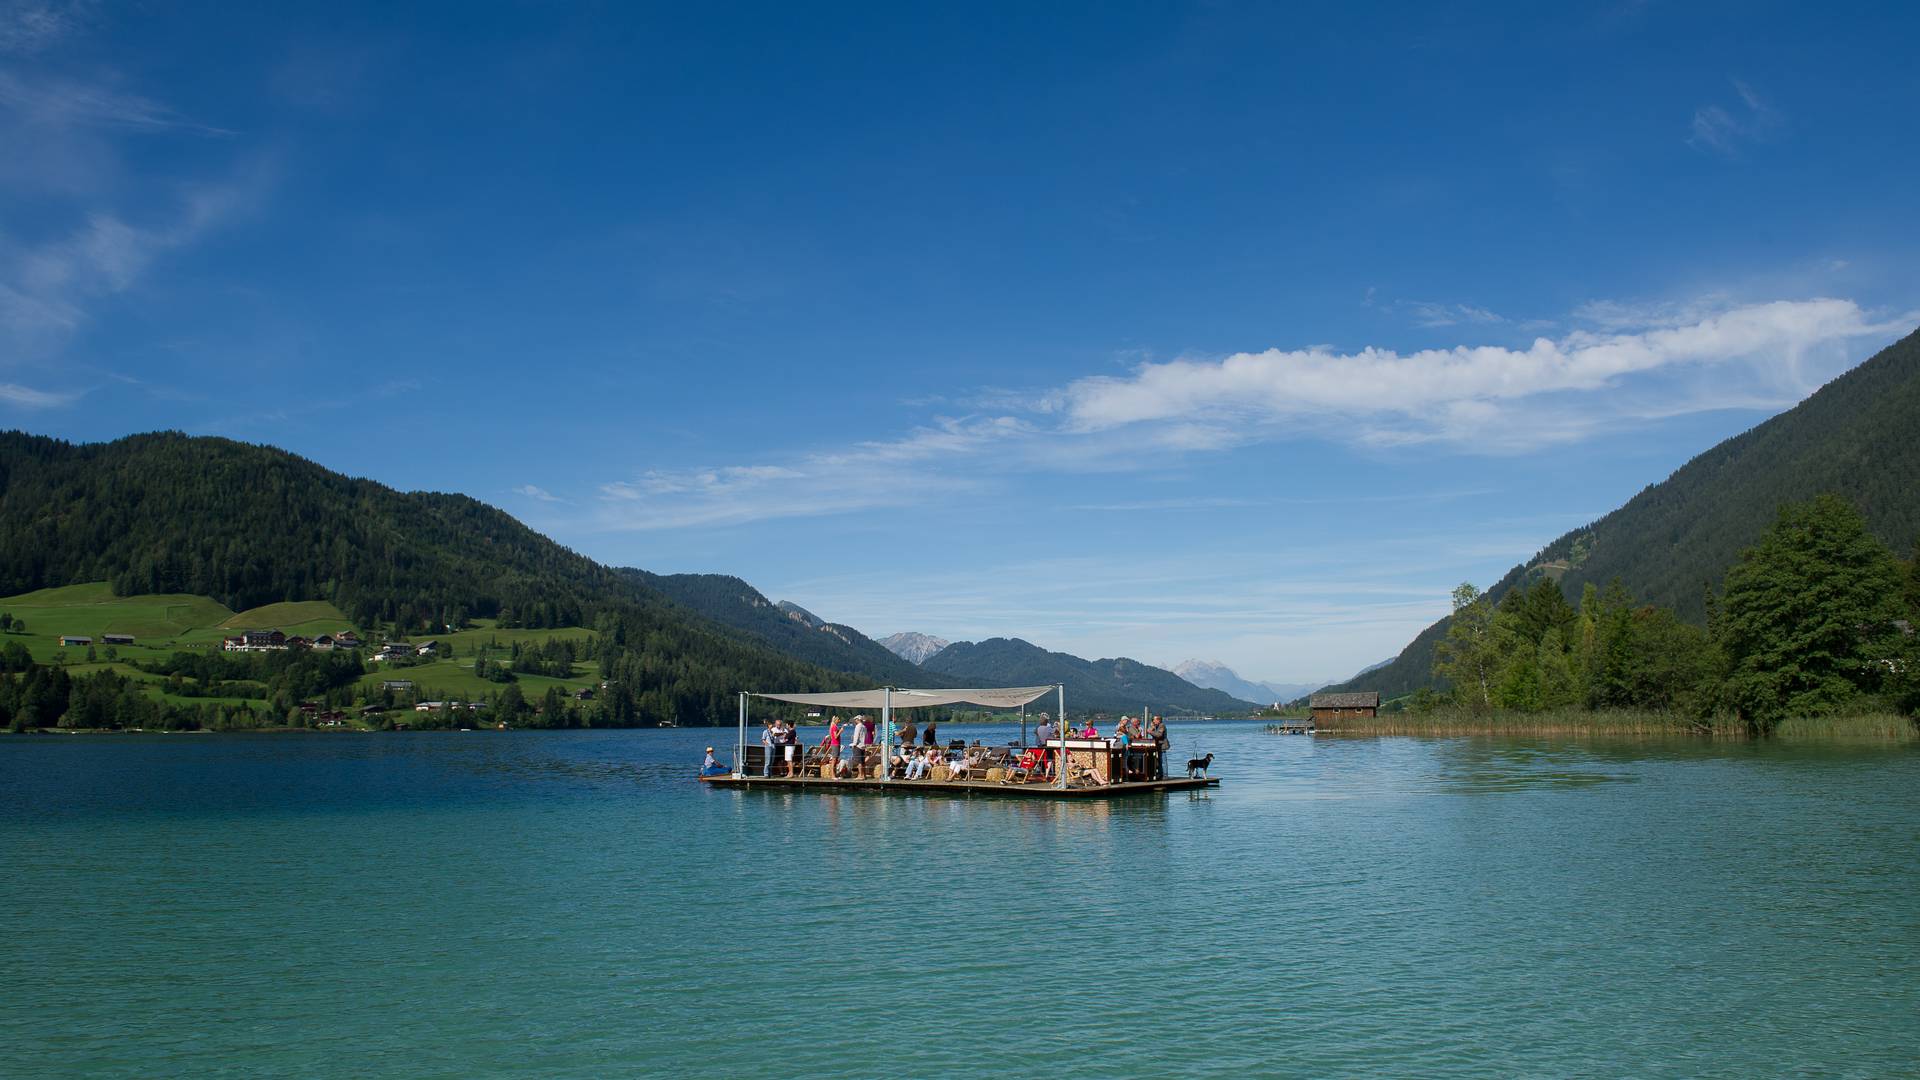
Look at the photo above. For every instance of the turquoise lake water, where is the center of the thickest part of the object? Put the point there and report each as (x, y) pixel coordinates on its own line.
(572, 904)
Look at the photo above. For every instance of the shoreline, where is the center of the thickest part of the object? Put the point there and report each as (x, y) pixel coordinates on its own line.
(1883, 727)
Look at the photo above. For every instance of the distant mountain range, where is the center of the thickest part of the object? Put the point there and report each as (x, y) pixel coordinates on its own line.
(1119, 685)
(788, 627)
(1854, 437)
(913, 648)
(1218, 676)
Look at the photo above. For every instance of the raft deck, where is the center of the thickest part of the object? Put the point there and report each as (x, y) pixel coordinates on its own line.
(965, 787)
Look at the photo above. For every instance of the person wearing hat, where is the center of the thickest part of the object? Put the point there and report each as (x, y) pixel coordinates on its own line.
(712, 767)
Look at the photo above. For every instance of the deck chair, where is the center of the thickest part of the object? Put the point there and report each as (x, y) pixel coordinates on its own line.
(1031, 766)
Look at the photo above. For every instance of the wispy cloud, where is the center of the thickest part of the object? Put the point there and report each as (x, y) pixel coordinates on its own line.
(862, 476)
(44, 289)
(28, 26)
(1724, 129)
(26, 397)
(1633, 363)
(50, 101)
(540, 494)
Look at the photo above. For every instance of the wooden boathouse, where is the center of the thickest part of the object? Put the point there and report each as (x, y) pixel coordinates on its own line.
(1333, 708)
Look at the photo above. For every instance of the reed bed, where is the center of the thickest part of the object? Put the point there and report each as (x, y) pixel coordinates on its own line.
(1883, 726)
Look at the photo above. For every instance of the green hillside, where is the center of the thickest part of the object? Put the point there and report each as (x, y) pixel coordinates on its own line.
(92, 609)
(1855, 437)
(1113, 685)
(295, 545)
(288, 615)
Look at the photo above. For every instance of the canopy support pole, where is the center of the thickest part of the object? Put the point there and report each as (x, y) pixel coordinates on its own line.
(886, 736)
(1060, 726)
(740, 748)
(1023, 725)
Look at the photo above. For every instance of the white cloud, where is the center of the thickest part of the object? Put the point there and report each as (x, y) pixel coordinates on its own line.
(26, 397)
(1643, 362)
(1476, 396)
(533, 491)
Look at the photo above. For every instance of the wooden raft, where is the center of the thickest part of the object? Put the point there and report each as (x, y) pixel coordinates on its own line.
(963, 787)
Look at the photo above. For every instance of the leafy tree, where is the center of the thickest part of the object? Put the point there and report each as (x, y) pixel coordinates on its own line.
(1470, 657)
(1807, 617)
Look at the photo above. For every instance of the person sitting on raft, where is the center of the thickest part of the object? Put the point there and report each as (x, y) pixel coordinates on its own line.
(917, 764)
(711, 766)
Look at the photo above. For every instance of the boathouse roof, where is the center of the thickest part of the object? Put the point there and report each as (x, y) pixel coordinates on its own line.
(1365, 699)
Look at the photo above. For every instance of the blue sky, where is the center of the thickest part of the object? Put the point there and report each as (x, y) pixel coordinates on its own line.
(1217, 330)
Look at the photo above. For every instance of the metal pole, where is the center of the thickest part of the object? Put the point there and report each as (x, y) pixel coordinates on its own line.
(740, 750)
(1060, 726)
(1023, 724)
(886, 735)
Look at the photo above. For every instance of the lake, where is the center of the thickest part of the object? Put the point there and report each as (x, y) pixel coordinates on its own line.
(573, 904)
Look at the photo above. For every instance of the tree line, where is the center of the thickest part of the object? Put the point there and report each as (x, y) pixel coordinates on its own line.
(1816, 618)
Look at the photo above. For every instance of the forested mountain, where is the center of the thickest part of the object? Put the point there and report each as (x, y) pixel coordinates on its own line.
(250, 525)
(1855, 437)
(788, 627)
(1118, 685)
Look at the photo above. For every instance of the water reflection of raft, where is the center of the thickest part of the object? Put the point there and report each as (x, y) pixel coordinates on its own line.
(963, 787)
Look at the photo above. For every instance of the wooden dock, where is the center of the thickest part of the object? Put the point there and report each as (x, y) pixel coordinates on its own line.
(963, 787)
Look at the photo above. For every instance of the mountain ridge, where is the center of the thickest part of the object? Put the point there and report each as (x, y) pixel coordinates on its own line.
(1112, 684)
(1852, 437)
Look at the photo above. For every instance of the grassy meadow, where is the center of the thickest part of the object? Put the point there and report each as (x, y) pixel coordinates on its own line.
(165, 624)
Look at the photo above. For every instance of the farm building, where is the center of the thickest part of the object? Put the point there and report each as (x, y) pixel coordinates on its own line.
(116, 639)
(255, 641)
(71, 641)
(1328, 708)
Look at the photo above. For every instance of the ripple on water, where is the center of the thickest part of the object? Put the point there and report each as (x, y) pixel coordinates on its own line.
(572, 904)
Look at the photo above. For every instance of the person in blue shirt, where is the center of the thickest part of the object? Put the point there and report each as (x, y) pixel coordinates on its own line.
(712, 767)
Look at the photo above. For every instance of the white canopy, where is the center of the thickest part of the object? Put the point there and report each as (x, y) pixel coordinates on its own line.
(1009, 697)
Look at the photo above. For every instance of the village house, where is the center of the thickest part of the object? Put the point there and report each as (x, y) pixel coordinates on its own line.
(323, 642)
(116, 639)
(397, 685)
(346, 639)
(254, 641)
(426, 648)
(1330, 708)
(70, 641)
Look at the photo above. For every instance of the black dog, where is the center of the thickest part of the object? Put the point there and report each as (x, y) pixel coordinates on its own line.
(1199, 765)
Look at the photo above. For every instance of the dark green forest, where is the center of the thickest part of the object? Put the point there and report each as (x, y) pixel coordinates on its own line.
(251, 525)
(1853, 438)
